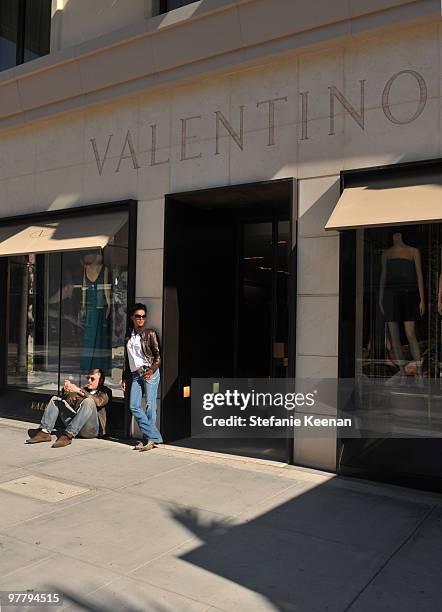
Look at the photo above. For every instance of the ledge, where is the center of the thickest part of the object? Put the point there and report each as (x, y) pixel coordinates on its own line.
(197, 39)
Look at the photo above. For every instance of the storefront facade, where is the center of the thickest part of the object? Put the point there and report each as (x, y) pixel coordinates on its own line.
(218, 133)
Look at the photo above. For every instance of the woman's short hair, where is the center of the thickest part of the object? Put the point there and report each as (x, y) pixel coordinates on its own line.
(137, 306)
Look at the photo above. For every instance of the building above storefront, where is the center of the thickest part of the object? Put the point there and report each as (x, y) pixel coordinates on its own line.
(200, 38)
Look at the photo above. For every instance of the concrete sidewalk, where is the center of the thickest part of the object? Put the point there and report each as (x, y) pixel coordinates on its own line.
(176, 530)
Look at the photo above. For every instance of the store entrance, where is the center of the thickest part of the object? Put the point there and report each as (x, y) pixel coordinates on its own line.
(226, 299)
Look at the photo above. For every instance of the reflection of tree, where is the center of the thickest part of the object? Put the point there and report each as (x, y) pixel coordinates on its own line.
(63, 294)
(60, 295)
(119, 302)
(25, 313)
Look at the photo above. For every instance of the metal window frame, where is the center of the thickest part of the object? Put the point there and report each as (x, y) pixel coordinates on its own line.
(21, 19)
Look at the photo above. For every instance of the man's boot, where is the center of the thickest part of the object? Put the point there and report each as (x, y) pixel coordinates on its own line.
(64, 440)
(40, 436)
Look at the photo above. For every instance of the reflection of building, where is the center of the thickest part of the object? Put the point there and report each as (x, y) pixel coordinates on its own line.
(69, 314)
(227, 133)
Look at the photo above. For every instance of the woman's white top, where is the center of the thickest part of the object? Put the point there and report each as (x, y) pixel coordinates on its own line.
(135, 354)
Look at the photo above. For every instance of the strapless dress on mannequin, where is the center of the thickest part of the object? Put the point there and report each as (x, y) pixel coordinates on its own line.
(401, 294)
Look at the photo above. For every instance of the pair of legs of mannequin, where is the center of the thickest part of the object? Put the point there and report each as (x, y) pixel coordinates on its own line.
(410, 331)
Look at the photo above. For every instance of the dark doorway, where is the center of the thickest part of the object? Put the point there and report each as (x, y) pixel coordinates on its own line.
(228, 285)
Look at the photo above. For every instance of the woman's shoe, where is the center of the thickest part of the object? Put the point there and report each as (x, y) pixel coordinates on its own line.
(138, 446)
(148, 446)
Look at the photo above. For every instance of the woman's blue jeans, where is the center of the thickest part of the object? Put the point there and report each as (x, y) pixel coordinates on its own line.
(147, 421)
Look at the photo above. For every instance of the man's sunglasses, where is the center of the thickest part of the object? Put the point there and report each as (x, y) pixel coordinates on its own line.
(139, 316)
(90, 378)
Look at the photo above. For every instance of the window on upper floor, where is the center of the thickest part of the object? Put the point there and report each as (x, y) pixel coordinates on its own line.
(24, 31)
(169, 5)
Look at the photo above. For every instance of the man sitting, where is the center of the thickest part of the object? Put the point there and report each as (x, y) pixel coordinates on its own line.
(82, 411)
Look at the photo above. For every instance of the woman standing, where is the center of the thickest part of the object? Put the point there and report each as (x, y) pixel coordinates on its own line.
(141, 372)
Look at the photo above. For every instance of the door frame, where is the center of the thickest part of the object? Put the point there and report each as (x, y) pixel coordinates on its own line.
(291, 187)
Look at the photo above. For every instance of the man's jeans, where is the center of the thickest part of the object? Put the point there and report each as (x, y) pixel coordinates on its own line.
(83, 423)
(146, 420)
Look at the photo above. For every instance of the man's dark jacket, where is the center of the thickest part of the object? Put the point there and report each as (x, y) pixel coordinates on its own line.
(102, 398)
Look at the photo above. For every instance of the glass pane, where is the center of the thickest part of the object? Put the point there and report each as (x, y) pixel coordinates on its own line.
(8, 33)
(93, 312)
(255, 310)
(67, 314)
(395, 344)
(173, 4)
(37, 28)
(73, 355)
(34, 309)
(398, 342)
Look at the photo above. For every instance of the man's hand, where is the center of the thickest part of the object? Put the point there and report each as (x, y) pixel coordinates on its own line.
(70, 387)
(148, 375)
(123, 385)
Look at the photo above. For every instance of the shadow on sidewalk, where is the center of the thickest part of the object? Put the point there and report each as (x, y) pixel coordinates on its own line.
(328, 548)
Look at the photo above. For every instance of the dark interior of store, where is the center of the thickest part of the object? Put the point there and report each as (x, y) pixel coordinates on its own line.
(227, 286)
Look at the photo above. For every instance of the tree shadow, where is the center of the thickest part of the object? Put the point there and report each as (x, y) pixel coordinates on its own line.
(318, 550)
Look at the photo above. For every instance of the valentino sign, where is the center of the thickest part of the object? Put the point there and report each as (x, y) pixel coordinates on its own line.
(234, 126)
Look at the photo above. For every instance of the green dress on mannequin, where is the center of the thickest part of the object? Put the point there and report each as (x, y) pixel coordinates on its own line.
(96, 340)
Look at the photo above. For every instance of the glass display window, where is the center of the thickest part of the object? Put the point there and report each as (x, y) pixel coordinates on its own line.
(67, 315)
(398, 330)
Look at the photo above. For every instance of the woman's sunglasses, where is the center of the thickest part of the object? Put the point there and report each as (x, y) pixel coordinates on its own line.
(139, 316)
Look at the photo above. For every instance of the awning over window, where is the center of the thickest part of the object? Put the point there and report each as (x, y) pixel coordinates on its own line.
(68, 234)
(389, 202)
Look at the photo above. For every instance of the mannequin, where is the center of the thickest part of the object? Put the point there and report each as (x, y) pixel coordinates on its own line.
(95, 309)
(401, 297)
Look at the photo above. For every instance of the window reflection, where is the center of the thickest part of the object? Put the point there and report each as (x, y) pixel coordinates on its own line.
(37, 29)
(24, 31)
(67, 314)
(169, 5)
(8, 33)
(398, 330)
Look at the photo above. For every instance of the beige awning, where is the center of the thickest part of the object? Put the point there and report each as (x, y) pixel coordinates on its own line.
(68, 234)
(389, 202)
